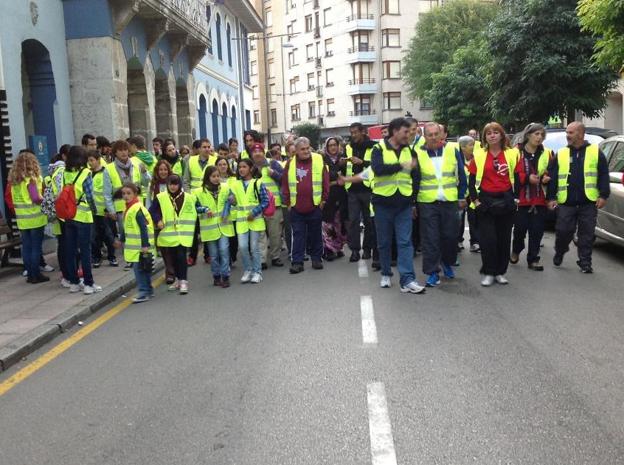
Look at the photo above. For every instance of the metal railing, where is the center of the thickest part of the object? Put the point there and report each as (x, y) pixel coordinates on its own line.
(361, 48)
(358, 82)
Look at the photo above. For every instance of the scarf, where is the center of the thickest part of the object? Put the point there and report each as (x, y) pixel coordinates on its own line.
(123, 168)
(129, 204)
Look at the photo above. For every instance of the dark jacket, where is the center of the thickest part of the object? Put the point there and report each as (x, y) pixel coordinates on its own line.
(359, 150)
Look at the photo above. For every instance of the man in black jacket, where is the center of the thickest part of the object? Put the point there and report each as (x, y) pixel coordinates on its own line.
(579, 186)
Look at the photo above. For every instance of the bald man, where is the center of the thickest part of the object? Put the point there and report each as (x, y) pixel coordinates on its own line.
(579, 186)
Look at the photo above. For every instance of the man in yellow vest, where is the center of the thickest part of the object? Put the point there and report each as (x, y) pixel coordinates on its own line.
(579, 186)
(139, 153)
(102, 224)
(394, 165)
(305, 186)
(250, 138)
(441, 189)
(358, 152)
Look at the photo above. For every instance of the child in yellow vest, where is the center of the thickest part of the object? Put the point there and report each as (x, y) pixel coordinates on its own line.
(103, 225)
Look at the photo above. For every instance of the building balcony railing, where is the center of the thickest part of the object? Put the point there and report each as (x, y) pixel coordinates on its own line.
(355, 82)
(362, 113)
(361, 48)
(360, 22)
(363, 53)
(362, 86)
(367, 117)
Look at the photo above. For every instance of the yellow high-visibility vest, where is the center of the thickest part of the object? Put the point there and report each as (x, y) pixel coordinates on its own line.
(429, 182)
(318, 164)
(349, 152)
(83, 210)
(179, 228)
(132, 246)
(386, 186)
(28, 214)
(211, 229)
(246, 201)
(590, 173)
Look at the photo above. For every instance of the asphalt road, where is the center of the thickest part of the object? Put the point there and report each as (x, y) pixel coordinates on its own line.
(279, 373)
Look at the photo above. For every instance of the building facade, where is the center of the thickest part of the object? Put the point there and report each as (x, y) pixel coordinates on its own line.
(332, 63)
(613, 115)
(223, 93)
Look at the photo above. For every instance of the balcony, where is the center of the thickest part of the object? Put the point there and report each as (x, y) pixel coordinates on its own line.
(362, 86)
(362, 54)
(366, 117)
(360, 23)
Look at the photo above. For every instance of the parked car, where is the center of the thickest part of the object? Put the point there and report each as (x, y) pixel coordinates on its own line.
(610, 222)
(556, 139)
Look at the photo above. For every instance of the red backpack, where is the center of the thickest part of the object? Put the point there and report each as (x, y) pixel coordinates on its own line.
(66, 204)
(269, 211)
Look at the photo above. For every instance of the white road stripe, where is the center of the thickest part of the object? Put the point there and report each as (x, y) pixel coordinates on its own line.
(362, 269)
(369, 328)
(382, 443)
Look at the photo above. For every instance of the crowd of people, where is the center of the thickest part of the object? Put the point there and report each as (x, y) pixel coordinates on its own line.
(388, 201)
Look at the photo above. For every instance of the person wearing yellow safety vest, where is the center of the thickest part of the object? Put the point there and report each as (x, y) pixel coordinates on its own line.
(171, 156)
(79, 229)
(214, 207)
(139, 153)
(441, 185)
(138, 239)
(250, 137)
(193, 176)
(358, 153)
(26, 192)
(531, 178)
(251, 200)
(305, 188)
(175, 215)
(491, 184)
(394, 165)
(102, 224)
(415, 133)
(579, 187)
(270, 172)
(227, 176)
(56, 170)
(467, 147)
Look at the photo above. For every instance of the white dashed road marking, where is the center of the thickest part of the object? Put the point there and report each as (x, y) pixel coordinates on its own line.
(362, 269)
(382, 443)
(369, 328)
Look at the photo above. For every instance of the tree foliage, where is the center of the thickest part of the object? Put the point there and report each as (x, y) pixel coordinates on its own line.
(309, 130)
(459, 95)
(540, 63)
(605, 19)
(439, 33)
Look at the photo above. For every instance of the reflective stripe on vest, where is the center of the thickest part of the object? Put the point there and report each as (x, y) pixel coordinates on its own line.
(429, 182)
(179, 228)
(98, 192)
(27, 213)
(349, 152)
(590, 173)
(196, 172)
(246, 201)
(511, 156)
(271, 186)
(116, 182)
(83, 210)
(386, 186)
(213, 228)
(317, 179)
(132, 246)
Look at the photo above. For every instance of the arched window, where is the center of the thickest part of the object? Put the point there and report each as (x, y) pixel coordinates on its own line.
(228, 38)
(215, 123)
(219, 48)
(233, 121)
(224, 122)
(203, 109)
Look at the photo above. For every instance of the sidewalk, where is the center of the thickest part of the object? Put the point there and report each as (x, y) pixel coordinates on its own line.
(33, 314)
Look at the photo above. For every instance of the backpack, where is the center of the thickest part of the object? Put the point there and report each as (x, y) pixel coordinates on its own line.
(66, 204)
(48, 207)
(269, 211)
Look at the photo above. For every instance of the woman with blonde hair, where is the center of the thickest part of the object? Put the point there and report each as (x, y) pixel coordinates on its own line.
(26, 193)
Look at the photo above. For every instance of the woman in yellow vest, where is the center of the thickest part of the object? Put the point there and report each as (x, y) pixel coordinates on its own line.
(228, 176)
(79, 229)
(174, 214)
(26, 192)
(102, 224)
(251, 200)
(138, 240)
(491, 184)
(467, 145)
(214, 206)
(170, 154)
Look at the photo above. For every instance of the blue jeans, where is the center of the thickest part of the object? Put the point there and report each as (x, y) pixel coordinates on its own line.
(143, 280)
(220, 254)
(77, 237)
(307, 233)
(32, 240)
(397, 219)
(251, 261)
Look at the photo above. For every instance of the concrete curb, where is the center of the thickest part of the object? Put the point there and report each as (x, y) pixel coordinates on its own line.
(34, 339)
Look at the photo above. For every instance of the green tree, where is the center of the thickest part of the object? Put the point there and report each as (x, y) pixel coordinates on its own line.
(309, 130)
(459, 95)
(605, 19)
(540, 63)
(438, 34)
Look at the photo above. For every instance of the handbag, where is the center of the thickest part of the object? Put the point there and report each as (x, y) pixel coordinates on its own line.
(146, 262)
(497, 206)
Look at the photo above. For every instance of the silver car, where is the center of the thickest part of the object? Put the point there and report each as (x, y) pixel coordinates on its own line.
(610, 225)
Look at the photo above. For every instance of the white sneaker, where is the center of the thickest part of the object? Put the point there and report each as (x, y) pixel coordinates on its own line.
(487, 280)
(256, 278)
(385, 282)
(475, 248)
(183, 287)
(246, 277)
(47, 268)
(73, 288)
(24, 273)
(413, 288)
(64, 283)
(88, 290)
(500, 279)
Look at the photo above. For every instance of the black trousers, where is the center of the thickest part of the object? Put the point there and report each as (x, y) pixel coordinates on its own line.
(359, 211)
(439, 223)
(495, 241)
(582, 220)
(471, 214)
(531, 220)
(102, 234)
(177, 257)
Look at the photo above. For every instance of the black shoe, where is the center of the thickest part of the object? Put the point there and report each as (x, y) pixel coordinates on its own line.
(38, 279)
(376, 266)
(536, 266)
(330, 256)
(170, 281)
(264, 266)
(96, 263)
(558, 259)
(296, 268)
(393, 263)
(317, 265)
(587, 269)
(216, 281)
(277, 262)
(339, 254)
(366, 255)
(355, 256)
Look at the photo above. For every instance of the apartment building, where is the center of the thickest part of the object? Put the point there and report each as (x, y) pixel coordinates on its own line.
(333, 62)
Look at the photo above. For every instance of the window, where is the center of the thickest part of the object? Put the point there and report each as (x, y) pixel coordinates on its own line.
(330, 107)
(269, 45)
(391, 38)
(273, 117)
(311, 81)
(361, 40)
(329, 77)
(362, 105)
(228, 38)
(268, 18)
(390, 7)
(256, 92)
(616, 162)
(295, 112)
(426, 104)
(310, 52)
(392, 100)
(294, 82)
(327, 17)
(272, 93)
(252, 44)
(219, 48)
(256, 118)
(254, 68)
(290, 30)
(329, 43)
(311, 110)
(292, 59)
(308, 23)
(392, 70)
(271, 69)
(320, 108)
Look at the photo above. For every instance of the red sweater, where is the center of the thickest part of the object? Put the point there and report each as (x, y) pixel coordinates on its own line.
(495, 179)
(305, 203)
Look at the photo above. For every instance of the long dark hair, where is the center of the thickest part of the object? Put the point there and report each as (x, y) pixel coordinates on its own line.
(252, 168)
(206, 184)
(76, 158)
(156, 180)
(229, 168)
